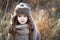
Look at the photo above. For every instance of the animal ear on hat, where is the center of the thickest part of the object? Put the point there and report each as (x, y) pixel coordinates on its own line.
(23, 5)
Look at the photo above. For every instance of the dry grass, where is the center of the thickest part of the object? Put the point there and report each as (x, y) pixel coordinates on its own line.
(48, 25)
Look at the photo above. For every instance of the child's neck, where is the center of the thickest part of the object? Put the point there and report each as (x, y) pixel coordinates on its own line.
(23, 24)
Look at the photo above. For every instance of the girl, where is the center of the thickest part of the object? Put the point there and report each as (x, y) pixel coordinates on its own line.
(22, 25)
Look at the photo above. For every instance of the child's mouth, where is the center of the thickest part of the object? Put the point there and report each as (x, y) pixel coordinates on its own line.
(22, 21)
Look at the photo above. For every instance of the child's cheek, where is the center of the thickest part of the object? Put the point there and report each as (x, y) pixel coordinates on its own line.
(19, 20)
(25, 19)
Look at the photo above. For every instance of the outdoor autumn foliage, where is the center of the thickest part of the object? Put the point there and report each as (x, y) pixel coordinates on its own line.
(46, 14)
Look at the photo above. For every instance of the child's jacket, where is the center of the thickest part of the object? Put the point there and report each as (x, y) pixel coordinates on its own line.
(22, 33)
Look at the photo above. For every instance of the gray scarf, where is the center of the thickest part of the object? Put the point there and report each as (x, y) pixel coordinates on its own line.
(22, 29)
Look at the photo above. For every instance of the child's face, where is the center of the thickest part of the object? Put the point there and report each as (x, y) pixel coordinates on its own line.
(22, 19)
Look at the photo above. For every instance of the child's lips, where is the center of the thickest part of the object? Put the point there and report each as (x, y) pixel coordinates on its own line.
(22, 21)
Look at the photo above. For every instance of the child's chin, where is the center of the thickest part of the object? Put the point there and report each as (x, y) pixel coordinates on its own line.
(22, 23)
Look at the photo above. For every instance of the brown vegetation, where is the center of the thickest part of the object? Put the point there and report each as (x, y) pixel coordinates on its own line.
(46, 15)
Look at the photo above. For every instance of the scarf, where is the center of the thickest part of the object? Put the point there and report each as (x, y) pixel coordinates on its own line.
(22, 29)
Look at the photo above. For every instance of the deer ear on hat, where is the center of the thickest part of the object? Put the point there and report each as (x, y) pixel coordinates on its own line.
(23, 5)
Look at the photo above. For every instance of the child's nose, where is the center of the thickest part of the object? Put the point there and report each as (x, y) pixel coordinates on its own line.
(22, 16)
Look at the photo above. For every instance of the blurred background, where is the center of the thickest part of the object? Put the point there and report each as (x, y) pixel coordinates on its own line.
(46, 14)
